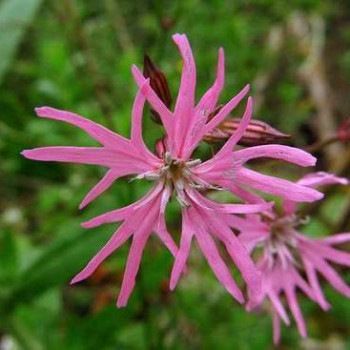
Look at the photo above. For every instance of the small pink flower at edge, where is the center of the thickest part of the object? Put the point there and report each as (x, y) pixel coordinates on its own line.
(286, 253)
(177, 174)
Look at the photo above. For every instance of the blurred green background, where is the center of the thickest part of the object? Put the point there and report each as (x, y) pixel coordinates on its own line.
(76, 55)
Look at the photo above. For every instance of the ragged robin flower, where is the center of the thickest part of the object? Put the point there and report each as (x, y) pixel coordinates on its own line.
(176, 174)
(286, 255)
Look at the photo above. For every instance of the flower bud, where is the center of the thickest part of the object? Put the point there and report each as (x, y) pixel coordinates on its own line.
(257, 133)
(158, 83)
(160, 147)
(343, 132)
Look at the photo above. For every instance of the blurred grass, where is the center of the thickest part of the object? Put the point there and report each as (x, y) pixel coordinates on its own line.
(76, 55)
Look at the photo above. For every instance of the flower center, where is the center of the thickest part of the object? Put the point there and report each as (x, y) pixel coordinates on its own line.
(282, 241)
(176, 175)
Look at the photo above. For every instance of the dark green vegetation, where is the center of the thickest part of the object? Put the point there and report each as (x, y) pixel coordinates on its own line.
(76, 55)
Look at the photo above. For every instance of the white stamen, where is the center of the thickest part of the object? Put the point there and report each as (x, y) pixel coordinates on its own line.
(192, 163)
(167, 158)
(152, 176)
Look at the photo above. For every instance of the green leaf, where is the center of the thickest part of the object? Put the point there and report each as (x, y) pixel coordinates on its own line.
(59, 262)
(15, 16)
(8, 257)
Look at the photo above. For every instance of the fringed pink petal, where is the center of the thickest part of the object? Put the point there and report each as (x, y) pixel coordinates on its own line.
(238, 254)
(278, 306)
(184, 107)
(210, 99)
(132, 265)
(313, 180)
(237, 135)
(332, 254)
(185, 99)
(205, 106)
(288, 154)
(156, 103)
(321, 179)
(184, 250)
(123, 213)
(240, 192)
(245, 225)
(315, 285)
(222, 161)
(136, 128)
(166, 194)
(128, 162)
(148, 215)
(250, 239)
(165, 236)
(276, 186)
(83, 155)
(227, 109)
(289, 207)
(97, 131)
(100, 187)
(302, 284)
(227, 208)
(336, 239)
(216, 263)
(330, 275)
(294, 307)
(118, 238)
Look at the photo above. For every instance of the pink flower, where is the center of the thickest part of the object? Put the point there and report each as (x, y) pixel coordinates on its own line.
(177, 174)
(286, 254)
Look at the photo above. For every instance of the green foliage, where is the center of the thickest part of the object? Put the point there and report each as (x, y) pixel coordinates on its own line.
(14, 20)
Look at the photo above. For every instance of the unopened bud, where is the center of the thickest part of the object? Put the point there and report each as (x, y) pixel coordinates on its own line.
(343, 132)
(158, 83)
(167, 23)
(257, 133)
(161, 147)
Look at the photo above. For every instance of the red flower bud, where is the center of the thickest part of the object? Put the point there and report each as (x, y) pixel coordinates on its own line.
(158, 83)
(257, 133)
(343, 132)
(161, 147)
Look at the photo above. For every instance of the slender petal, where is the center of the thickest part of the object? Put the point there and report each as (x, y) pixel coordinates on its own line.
(122, 213)
(321, 179)
(227, 208)
(289, 154)
(130, 163)
(294, 306)
(210, 99)
(118, 238)
(315, 285)
(276, 186)
(239, 255)
(225, 111)
(330, 253)
(184, 250)
(136, 128)
(96, 131)
(184, 107)
(100, 187)
(153, 99)
(336, 239)
(329, 274)
(277, 304)
(232, 141)
(165, 236)
(313, 180)
(216, 263)
(132, 265)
